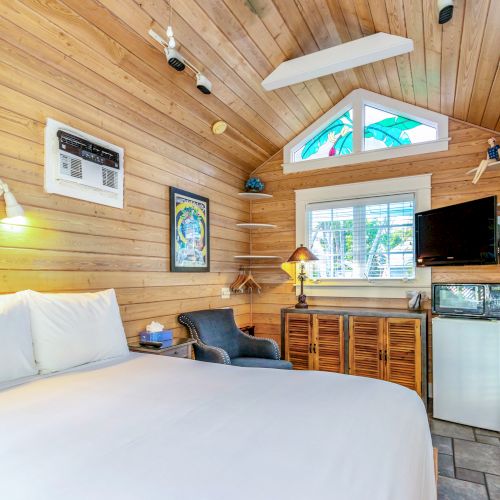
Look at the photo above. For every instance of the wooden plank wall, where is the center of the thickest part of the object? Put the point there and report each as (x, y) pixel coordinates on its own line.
(450, 184)
(55, 63)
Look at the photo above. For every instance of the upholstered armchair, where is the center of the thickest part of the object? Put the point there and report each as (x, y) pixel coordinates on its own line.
(219, 340)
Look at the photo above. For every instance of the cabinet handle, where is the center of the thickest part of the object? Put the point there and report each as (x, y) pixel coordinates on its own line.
(385, 355)
(314, 348)
(310, 349)
(380, 354)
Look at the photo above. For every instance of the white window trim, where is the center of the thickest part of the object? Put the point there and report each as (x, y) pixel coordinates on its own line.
(420, 185)
(356, 100)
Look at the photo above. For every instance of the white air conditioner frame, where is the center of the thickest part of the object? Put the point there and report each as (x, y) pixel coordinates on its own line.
(73, 189)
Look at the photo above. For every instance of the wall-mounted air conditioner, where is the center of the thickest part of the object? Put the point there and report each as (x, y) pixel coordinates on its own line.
(82, 166)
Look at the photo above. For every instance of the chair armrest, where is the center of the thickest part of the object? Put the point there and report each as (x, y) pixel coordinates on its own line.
(256, 347)
(211, 354)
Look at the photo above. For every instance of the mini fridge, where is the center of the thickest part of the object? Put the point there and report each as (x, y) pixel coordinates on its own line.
(466, 371)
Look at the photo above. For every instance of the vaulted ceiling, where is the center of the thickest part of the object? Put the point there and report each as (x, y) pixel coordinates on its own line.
(454, 68)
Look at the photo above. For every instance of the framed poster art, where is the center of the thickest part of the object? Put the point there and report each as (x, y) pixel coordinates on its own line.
(189, 232)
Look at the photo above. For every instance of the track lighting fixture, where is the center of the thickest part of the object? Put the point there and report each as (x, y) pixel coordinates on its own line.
(445, 10)
(170, 31)
(179, 62)
(176, 59)
(203, 84)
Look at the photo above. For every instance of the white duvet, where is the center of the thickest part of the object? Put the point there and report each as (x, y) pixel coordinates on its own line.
(152, 427)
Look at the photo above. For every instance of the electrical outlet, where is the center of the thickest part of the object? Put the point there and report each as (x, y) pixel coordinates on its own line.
(225, 293)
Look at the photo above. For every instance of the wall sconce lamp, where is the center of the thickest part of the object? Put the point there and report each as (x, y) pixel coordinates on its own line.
(302, 254)
(14, 211)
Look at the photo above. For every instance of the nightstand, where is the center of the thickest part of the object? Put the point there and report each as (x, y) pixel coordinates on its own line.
(180, 348)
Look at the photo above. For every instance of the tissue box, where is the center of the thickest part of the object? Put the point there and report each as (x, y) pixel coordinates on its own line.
(156, 336)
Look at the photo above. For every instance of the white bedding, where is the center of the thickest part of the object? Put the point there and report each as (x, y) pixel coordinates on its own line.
(152, 427)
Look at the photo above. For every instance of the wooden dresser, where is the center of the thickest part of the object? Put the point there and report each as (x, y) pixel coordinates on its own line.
(387, 344)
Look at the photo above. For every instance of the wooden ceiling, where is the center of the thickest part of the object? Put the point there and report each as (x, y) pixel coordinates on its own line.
(454, 69)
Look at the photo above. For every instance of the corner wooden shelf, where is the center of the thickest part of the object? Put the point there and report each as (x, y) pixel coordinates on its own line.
(252, 225)
(269, 262)
(255, 196)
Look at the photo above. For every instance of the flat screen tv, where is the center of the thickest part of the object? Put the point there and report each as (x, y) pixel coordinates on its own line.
(458, 235)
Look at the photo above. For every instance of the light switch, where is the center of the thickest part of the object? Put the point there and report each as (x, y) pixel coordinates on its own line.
(225, 293)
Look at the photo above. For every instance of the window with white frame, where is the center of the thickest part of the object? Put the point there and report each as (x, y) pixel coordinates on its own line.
(364, 238)
(363, 127)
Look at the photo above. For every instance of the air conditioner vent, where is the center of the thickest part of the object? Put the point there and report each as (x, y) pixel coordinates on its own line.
(110, 178)
(82, 166)
(71, 166)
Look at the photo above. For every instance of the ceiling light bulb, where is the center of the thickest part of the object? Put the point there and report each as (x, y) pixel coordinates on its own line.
(170, 31)
(171, 42)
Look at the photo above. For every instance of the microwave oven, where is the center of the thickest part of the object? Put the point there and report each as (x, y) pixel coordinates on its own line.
(480, 300)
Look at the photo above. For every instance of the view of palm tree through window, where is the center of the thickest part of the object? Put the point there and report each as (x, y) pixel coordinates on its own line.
(370, 239)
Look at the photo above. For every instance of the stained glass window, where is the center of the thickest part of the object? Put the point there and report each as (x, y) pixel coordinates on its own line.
(387, 130)
(366, 127)
(333, 140)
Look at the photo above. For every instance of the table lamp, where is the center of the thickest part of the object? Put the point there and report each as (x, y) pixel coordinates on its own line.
(302, 254)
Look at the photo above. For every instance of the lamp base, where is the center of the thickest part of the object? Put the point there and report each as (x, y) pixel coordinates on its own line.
(301, 304)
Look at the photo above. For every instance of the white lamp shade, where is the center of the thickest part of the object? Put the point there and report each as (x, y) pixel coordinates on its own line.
(12, 207)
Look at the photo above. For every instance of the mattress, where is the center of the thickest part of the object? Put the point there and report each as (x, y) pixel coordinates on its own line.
(154, 427)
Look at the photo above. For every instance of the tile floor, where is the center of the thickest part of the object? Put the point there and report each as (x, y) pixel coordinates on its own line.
(469, 461)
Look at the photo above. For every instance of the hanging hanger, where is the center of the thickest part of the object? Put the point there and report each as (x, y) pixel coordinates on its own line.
(238, 281)
(250, 281)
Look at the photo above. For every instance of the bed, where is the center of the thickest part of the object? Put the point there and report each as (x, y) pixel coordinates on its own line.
(154, 427)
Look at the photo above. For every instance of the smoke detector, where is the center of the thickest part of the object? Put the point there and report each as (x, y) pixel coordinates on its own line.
(219, 127)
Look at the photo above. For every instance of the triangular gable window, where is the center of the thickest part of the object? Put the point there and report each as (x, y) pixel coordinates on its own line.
(365, 127)
(333, 140)
(384, 129)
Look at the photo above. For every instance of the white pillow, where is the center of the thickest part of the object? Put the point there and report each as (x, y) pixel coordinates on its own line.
(16, 345)
(71, 329)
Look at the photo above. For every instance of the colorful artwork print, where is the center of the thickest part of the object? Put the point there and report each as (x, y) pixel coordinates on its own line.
(189, 232)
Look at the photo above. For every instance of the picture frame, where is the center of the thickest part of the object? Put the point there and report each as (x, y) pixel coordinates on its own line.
(189, 232)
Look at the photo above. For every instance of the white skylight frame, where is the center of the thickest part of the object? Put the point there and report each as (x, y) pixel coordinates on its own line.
(356, 101)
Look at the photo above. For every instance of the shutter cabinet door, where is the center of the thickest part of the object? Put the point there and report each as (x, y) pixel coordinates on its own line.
(365, 346)
(328, 343)
(298, 340)
(403, 349)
